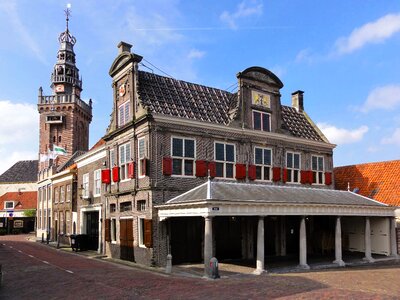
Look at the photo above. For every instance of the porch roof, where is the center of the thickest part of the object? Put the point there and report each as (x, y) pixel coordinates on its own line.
(245, 192)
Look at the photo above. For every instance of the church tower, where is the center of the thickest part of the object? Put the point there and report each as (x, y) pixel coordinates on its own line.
(64, 116)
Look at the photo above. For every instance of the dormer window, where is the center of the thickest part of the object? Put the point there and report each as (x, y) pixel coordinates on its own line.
(261, 121)
(123, 113)
(8, 204)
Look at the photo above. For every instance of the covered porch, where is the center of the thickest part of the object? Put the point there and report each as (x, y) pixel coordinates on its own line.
(263, 224)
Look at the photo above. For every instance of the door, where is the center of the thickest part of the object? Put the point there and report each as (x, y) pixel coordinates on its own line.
(92, 229)
(126, 239)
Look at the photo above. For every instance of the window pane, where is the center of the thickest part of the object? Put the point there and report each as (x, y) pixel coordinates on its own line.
(229, 170)
(297, 161)
(219, 169)
(267, 157)
(189, 167)
(258, 156)
(121, 154)
(230, 153)
(289, 176)
(121, 115)
(258, 172)
(314, 163)
(177, 166)
(257, 120)
(177, 147)
(295, 176)
(289, 160)
(219, 151)
(266, 173)
(189, 148)
(265, 120)
(142, 149)
(126, 112)
(127, 152)
(320, 163)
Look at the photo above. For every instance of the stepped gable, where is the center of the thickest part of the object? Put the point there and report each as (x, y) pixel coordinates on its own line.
(168, 96)
(298, 125)
(22, 171)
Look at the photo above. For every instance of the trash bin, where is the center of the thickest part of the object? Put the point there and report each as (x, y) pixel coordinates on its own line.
(79, 242)
(74, 242)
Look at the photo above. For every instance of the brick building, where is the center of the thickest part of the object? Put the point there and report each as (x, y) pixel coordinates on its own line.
(64, 122)
(271, 170)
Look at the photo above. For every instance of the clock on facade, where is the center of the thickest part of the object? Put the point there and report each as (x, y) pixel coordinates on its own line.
(261, 99)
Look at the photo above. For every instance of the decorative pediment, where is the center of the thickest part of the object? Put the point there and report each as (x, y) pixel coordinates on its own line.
(261, 75)
(123, 60)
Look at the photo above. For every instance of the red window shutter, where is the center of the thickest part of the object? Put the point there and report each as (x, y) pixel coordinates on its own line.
(201, 168)
(240, 171)
(306, 177)
(115, 174)
(167, 166)
(131, 170)
(252, 172)
(106, 176)
(145, 167)
(276, 174)
(147, 239)
(284, 175)
(328, 178)
(107, 226)
(213, 169)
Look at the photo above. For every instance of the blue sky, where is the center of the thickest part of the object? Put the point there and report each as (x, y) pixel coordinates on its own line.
(343, 54)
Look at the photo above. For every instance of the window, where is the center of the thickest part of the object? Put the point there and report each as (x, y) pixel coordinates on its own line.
(113, 230)
(263, 162)
(141, 205)
(183, 154)
(40, 219)
(62, 223)
(225, 160)
(124, 159)
(261, 121)
(142, 156)
(68, 221)
(9, 204)
(97, 182)
(85, 185)
(112, 160)
(113, 207)
(141, 232)
(293, 167)
(56, 195)
(125, 206)
(317, 164)
(123, 113)
(68, 193)
(62, 193)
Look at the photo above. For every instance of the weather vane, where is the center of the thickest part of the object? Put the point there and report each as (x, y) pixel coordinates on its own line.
(68, 12)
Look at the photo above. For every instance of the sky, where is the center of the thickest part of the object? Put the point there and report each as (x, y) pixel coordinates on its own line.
(343, 54)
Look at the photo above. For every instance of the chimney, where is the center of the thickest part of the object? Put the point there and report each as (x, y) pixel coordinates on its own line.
(124, 47)
(297, 100)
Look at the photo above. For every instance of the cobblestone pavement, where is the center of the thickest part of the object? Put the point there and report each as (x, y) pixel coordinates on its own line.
(36, 271)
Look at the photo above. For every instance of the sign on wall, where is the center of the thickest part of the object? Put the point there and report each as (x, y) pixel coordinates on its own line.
(18, 224)
(261, 99)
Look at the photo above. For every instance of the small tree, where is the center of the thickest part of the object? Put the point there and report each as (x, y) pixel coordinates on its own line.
(30, 213)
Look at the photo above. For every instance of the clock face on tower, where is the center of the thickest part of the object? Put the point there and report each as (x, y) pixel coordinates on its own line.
(59, 88)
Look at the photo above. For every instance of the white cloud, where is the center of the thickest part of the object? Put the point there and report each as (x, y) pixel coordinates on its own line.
(373, 32)
(341, 135)
(19, 133)
(244, 9)
(384, 97)
(195, 53)
(394, 139)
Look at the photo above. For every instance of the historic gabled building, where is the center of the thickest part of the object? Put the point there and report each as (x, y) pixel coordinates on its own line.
(196, 172)
(64, 124)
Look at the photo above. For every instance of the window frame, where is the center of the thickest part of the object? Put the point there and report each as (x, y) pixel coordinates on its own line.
(8, 202)
(291, 171)
(141, 232)
(126, 112)
(97, 183)
(62, 193)
(56, 194)
(68, 193)
(263, 165)
(225, 162)
(113, 230)
(141, 156)
(183, 158)
(85, 186)
(318, 175)
(262, 113)
(123, 166)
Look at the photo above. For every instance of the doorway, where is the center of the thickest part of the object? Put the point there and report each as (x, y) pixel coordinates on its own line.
(126, 239)
(92, 229)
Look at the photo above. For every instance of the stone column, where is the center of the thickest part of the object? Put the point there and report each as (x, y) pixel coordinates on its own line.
(303, 244)
(367, 237)
(338, 244)
(260, 247)
(208, 244)
(393, 238)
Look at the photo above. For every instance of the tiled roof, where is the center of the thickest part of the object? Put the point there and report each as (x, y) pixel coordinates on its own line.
(22, 171)
(25, 200)
(379, 180)
(179, 98)
(298, 125)
(226, 191)
(99, 143)
(70, 161)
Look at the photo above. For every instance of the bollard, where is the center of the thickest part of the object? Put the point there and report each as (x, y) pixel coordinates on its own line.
(42, 237)
(47, 237)
(58, 242)
(168, 268)
(214, 268)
